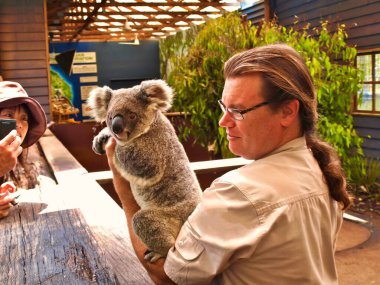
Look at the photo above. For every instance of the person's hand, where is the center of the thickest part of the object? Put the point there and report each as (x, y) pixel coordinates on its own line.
(5, 204)
(110, 152)
(122, 186)
(10, 149)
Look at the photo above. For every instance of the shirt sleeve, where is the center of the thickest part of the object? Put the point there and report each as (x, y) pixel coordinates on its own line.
(223, 227)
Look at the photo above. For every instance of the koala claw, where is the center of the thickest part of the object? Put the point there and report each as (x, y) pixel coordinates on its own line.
(152, 256)
(99, 143)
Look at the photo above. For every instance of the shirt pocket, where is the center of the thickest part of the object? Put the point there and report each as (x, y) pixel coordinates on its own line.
(188, 246)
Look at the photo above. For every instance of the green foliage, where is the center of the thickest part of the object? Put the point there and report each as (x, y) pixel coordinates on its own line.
(366, 178)
(196, 74)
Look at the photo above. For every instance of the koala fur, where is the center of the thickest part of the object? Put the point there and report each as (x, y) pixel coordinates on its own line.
(149, 155)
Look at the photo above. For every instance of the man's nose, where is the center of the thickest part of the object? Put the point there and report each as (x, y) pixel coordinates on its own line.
(226, 120)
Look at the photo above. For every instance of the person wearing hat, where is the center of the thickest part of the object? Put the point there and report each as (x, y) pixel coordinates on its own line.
(30, 126)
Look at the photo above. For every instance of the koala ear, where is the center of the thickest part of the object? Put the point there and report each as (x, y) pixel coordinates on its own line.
(98, 102)
(158, 93)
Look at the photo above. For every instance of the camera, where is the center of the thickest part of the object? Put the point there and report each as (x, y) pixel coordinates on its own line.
(6, 126)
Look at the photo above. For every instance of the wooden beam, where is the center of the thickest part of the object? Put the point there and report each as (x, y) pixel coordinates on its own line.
(90, 18)
(267, 11)
(199, 167)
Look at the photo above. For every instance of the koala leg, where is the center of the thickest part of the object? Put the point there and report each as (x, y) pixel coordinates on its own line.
(157, 229)
(100, 141)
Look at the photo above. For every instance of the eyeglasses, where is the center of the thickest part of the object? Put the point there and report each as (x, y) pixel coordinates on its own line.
(237, 114)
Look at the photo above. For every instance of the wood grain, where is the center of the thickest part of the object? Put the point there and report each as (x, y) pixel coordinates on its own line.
(67, 233)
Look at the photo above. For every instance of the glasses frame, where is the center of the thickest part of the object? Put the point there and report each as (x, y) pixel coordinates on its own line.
(237, 114)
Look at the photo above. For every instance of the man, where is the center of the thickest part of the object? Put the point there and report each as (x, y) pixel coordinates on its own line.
(274, 221)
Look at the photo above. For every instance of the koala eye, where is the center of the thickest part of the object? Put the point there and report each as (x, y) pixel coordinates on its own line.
(132, 116)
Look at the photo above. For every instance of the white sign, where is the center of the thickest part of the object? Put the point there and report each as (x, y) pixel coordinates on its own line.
(85, 91)
(85, 68)
(85, 57)
(87, 79)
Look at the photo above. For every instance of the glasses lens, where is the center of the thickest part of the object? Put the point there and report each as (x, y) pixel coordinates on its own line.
(236, 115)
(221, 105)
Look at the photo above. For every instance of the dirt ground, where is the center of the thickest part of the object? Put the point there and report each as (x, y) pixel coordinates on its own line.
(358, 251)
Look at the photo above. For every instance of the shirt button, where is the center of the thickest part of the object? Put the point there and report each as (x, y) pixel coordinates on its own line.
(180, 243)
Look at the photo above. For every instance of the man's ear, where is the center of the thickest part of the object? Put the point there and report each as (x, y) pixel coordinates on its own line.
(289, 112)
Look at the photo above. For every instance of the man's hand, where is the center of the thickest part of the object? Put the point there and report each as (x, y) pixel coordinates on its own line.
(122, 186)
(110, 152)
(123, 189)
(10, 149)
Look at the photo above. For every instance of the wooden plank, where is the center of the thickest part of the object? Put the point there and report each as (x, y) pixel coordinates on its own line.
(22, 55)
(365, 42)
(19, 46)
(23, 64)
(360, 31)
(348, 12)
(369, 133)
(18, 28)
(27, 18)
(72, 233)
(61, 161)
(16, 9)
(199, 167)
(371, 143)
(22, 37)
(36, 91)
(218, 164)
(34, 82)
(370, 122)
(15, 75)
(375, 153)
(47, 111)
(43, 100)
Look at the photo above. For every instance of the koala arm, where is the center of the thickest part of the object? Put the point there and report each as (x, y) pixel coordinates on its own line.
(130, 207)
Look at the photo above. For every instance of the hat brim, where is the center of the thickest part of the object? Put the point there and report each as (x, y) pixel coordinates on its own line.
(37, 121)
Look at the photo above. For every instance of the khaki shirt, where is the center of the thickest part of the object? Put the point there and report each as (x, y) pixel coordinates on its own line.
(269, 222)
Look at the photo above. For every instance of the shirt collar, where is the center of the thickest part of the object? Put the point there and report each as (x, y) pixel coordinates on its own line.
(293, 145)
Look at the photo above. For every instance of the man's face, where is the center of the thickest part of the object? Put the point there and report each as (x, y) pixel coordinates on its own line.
(260, 132)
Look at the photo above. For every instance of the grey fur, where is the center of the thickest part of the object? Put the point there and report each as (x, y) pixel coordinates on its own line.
(149, 155)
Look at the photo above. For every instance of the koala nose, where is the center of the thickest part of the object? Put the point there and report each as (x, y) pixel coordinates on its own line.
(117, 124)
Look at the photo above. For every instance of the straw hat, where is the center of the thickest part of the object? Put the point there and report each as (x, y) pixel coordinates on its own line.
(11, 95)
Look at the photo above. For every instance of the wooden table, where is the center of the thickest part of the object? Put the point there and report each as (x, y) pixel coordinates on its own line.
(67, 233)
(70, 231)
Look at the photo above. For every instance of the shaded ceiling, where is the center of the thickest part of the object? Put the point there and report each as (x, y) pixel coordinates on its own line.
(128, 20)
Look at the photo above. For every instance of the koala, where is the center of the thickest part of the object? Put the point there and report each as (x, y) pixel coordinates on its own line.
(149, 155)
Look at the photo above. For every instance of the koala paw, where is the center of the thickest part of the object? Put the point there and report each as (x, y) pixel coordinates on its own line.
(151, 256)
(100, 141)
